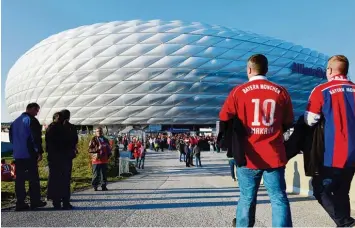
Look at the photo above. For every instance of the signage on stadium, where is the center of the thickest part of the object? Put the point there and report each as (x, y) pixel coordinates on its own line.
(301, 69)
(155, 127)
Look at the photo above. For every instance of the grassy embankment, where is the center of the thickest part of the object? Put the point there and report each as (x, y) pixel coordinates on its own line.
(81, 176)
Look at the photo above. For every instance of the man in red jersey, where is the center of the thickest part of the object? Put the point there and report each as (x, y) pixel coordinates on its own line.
(335, 102)
(265, 109)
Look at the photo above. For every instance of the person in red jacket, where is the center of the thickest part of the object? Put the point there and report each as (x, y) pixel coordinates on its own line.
(100, 150)
(265, 109)
(5, 171)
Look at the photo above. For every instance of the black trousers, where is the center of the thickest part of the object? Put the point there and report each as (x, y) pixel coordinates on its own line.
(331, 189)
(59, 180)
(99, 175)
(27, 168)
(188, 159)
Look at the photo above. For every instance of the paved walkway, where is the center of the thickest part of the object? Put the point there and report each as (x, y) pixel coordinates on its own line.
(168, 194)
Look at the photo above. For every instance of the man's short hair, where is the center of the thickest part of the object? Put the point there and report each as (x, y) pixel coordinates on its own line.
(259, 63)
(2, 161)
(344, 67)
(32, 105)
(65, 114)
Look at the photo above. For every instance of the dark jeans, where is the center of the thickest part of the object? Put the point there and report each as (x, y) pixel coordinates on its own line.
(27, 168)
(198, 159)
(59, 180)
(188, 159)
(131, 155)
(331, 189)
(183, 155)
(274, 180)
(141, 163)
(99, 172)
(232, 166)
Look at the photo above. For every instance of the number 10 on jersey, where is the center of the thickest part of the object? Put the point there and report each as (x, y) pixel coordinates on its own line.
(267, 114)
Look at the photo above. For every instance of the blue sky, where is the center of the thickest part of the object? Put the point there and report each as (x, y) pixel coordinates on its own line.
(324, 25)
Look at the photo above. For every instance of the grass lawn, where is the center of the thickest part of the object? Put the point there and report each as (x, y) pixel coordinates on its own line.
(81, 175)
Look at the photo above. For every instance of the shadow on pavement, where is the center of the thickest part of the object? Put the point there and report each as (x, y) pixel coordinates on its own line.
(179, 205)
(159, 198)
(163, 191)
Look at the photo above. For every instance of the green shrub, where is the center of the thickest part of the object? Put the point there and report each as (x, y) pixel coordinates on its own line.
(81, 173)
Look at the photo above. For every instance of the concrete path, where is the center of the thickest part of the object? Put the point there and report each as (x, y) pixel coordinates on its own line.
(168, 194)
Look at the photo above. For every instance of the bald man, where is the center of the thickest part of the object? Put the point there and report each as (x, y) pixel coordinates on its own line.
(335, 102)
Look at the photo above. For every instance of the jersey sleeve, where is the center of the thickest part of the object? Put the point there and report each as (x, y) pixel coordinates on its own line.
(314, 107)
(288, 111)
(229, 107)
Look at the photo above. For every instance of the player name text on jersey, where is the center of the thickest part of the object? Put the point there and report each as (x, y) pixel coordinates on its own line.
(261, 86)
(340, 90)
(262, 130)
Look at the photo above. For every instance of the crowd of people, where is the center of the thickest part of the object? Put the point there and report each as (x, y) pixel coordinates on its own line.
(61, 141)
(189, 146)
(254, 118)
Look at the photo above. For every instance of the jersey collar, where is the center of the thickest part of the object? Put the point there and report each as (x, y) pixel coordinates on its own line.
(339, 78)
(257, 77)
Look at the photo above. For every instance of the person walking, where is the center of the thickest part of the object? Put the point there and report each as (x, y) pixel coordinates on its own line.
(265, 110)
(188, 153)
(335, 102)
(137, 153)
(26, 137)
(182, 151)
(100, 150)
(142, 158)
(197, 154)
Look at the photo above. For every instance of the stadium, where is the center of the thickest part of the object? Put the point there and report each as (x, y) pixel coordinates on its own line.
(173, 74)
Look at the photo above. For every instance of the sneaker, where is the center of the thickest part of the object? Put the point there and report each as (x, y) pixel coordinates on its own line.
(104, 188)
(38, 204)
(95, 189)
(234, 179)
(22, 207)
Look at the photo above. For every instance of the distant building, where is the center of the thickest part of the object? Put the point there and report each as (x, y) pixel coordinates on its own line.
(151, 72)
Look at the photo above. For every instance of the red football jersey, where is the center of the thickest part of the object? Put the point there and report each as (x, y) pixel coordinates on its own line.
(335, 100)
(264, 108)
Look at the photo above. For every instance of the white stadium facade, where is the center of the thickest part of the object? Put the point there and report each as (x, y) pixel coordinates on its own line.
(152, 72)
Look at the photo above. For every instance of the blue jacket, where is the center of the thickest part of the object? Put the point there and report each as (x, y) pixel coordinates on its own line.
(26, 137)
